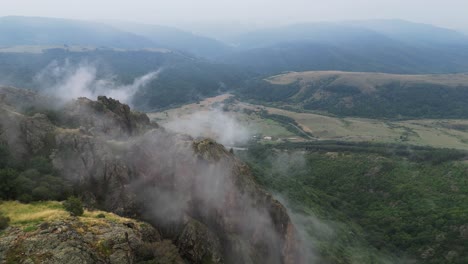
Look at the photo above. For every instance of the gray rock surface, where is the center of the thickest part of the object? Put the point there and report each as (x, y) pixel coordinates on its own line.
(73, 241)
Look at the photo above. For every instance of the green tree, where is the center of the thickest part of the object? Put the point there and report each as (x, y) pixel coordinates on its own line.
(4, 221)
(74, 206)
(7, 185)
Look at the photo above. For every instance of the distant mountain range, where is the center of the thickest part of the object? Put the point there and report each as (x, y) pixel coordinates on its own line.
(15, 31)
(393, 46)
(197, 66)
(352, 31)
(169, 37)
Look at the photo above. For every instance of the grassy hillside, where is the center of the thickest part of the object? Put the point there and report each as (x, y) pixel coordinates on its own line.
(388, 205)
(373, 95)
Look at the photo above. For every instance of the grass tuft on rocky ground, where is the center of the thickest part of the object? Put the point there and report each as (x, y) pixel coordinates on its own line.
(28, 216)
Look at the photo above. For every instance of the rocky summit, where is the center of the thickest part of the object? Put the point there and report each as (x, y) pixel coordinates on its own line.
(202, 201)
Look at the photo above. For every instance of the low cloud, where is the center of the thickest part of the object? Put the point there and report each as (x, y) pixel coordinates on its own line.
(213, 123)
(67, 82)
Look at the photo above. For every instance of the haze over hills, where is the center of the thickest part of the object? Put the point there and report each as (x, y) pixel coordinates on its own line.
(413, 33)
(176, 38)
(30, 31)
(16, 31)
(392, 46)
(360, 30)
(375, 45)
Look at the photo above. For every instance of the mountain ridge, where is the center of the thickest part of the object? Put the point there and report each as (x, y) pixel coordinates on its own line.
(118, 161)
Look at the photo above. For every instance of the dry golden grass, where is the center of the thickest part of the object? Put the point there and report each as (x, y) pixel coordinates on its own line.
(91, 217)
(24, 215)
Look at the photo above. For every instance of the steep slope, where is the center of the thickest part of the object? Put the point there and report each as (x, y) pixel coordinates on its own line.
(373, 95)
(196, 193)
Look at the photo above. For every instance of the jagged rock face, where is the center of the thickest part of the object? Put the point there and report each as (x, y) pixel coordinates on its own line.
(38, 133)
(77, 242)
(106, 117)
(197, 194)
(167, 180)
(199, 244)
(28, 135)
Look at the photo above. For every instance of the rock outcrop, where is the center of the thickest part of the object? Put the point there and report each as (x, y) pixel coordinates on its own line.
(196, 193)
(75, 242)
(106, 117)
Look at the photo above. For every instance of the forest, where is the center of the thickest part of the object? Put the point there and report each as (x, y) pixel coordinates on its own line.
(391, 207)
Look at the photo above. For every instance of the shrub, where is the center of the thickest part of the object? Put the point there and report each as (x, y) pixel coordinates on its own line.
(41, 193)
(101, 215)
(74, 206)
(4, 221)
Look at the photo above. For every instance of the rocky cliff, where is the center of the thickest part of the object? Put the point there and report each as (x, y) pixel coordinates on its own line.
(194, 192)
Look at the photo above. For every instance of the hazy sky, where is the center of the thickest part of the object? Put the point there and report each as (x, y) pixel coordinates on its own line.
(448, 13)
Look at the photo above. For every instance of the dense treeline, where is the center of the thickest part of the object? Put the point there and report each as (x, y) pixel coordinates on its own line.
(33, 180)
(188, 82)
(397, 101)
(412, 153)
(415, 208)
